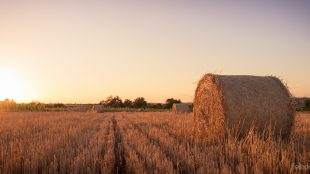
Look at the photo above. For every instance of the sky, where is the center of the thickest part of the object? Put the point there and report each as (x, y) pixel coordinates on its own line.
(83, 51)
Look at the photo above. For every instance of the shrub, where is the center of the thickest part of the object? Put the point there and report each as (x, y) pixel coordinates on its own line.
(59, 105)
(307, 103)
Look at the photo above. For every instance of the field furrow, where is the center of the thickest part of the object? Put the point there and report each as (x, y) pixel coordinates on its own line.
(139, 143)
(119, 152)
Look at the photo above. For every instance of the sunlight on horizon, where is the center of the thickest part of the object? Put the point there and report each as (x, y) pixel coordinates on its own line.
(14, 86)
(65, 51)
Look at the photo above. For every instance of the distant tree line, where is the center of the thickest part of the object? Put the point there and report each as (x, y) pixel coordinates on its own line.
(109, 102)
(307, 103)
(139, 102)
(11, 105)
(302, 104)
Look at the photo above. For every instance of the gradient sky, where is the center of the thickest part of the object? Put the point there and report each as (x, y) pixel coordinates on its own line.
(84, 51)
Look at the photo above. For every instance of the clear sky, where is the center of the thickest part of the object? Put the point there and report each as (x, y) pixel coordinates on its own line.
(84, 51)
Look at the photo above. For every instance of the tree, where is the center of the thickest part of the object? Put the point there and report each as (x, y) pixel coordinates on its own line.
(170, 102)
(113, 102)
(139, 102)
(127, 103)
(155, 105)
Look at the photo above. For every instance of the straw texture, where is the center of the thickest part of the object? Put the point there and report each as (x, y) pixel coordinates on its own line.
(223, 102)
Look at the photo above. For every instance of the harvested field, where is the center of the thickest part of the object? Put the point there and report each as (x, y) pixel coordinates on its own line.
(69, 142)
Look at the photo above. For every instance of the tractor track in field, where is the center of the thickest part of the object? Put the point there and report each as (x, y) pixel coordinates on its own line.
(119, 150)
(180, 167)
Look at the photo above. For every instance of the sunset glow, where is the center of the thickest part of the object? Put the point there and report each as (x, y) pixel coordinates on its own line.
(84, 51)
(11, 86)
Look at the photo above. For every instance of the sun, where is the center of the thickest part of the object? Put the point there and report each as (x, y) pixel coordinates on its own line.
(11, 85)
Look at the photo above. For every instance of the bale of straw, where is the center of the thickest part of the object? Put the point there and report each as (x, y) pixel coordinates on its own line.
(225, 102)
(180, 108)
(98, 108)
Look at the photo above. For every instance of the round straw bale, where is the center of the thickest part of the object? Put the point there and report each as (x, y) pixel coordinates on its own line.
(180, 108)
(223, 101)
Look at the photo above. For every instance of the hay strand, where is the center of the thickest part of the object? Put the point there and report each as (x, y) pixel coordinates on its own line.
(227, 101)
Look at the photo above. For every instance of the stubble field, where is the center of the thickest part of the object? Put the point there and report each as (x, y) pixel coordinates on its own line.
(162, 142)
